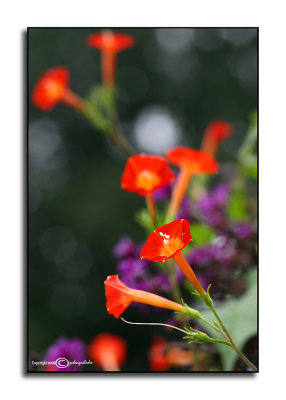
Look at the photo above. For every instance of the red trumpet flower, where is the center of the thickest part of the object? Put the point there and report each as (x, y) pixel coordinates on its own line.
(109, 44)
(215, 133)
(191, 162)
(166, 242)
(53, 88)
(120, 296)
(107, 351)
(143, 174)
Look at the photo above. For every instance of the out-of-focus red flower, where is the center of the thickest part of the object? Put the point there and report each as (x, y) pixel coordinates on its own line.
(166, 242)
(157, 359)
(107, 351)
(191, 162)
(120, 296)
(215, 133)
(162, 355)
(109, 43)
(52, 88)
(179, 357)
(144, 174)
(195, 161)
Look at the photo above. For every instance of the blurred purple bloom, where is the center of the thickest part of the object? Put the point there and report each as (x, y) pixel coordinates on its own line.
(125, 248)
(72, 349)
(243, 230)
(185, 210)
(160, 283)
(164, 193)
(219, 252)
(212, 206)
(130, 269)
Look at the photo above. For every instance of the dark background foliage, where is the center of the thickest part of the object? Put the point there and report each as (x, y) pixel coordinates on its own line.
(173, 83)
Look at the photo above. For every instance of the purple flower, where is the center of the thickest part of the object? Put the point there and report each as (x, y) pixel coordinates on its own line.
(131, 269)
(243, 230)
(164, 193)
(73, 350)
(220, 252)
(212, 206)
(160, 283)
(185, 210)
(125, 248)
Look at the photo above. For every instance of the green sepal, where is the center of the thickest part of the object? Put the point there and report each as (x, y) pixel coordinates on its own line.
(198, 336)
(206, 298)
(191, 312)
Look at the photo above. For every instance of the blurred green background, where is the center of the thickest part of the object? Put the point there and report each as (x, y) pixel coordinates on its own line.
(170, 86)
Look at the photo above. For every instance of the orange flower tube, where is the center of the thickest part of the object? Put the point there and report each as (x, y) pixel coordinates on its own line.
(108, 351)
(215, 133)
(191, 162)
(119, 297)
(109, 44)
(143, 174)
(53, 88)
(166, 242)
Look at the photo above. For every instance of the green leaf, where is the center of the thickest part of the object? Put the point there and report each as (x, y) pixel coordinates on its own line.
(237, 207)
(142, 217)
(240, 319)
(201, 233)
(247, 154)
(100, 108)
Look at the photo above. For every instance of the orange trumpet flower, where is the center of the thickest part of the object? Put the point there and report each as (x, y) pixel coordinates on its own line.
(143, 174)
(191, 162)
(109, 44)
(107, 351)
(120, 296)
(53, 88)
(166, 242)
(215, 133)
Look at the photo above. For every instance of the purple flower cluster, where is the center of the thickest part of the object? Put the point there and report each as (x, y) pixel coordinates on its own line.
(212, 206)
(73, 350)
(140, 274)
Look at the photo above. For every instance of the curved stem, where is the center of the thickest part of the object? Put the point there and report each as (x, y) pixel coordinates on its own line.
(154, 324)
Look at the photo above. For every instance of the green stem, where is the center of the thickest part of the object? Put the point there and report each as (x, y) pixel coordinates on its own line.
(235, 348)
(177, 297)
(209, 324)
(221, 341)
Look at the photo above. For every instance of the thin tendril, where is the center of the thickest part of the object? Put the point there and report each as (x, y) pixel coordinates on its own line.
(153, 323)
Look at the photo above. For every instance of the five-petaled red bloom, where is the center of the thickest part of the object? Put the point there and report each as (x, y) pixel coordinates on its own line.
(144, 174)
(107, 351)
(167, 240)
(110, 41)
(220, 130)
(195, 161)
(50, 88)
